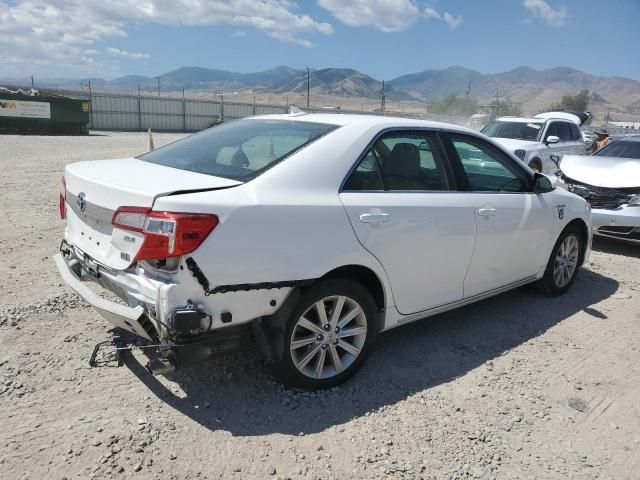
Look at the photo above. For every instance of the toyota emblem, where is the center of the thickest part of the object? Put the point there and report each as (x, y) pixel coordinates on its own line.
(81, 201)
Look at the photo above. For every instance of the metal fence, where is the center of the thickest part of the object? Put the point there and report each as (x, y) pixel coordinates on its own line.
(113, 111)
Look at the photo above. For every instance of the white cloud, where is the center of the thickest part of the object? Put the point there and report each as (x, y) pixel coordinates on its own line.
(116, 52)
(541, 9)
(453, 21)
(239, 34)
(385, 15)
(431, 12)
(58, 37)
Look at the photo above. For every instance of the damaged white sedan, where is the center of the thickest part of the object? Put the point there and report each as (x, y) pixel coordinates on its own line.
(313, 233)
(610, 181)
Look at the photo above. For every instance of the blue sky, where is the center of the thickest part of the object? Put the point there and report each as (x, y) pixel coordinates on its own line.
(384, 38)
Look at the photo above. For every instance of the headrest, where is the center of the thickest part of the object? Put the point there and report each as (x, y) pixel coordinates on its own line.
(404, 160)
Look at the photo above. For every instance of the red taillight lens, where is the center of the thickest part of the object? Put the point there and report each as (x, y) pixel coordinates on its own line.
(166, 234)
(62, 202)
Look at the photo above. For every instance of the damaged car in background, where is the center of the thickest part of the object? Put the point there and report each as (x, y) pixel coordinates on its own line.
(610, 181)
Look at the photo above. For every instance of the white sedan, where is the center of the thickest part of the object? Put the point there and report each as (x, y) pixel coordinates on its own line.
(313, 233)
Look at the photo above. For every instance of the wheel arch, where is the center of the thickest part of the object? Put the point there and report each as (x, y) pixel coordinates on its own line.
(580, 224)
(368, 279)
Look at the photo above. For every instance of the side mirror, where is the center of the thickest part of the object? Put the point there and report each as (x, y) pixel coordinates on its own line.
(542, 183)
(552, 139)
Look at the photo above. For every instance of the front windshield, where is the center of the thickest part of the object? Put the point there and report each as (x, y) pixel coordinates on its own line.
(238, 150)
(516, 130)
(621, 148)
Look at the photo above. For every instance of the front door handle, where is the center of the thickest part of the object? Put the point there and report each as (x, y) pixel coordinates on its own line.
(375, 216)
(487, 212)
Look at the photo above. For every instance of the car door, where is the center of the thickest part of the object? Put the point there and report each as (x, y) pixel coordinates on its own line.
(513, 223)
(403, 205)
(578, 146)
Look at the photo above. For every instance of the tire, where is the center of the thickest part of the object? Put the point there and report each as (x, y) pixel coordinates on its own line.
(536, 164)
(313, 364)
(554, 283)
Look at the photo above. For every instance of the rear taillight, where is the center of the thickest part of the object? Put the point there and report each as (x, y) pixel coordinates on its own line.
(166, 234)
(63, 199)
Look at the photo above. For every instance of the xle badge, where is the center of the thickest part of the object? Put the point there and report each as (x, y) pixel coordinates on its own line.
(560, 211)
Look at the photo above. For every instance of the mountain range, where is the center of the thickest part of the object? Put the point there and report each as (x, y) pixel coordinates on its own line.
(532, 89)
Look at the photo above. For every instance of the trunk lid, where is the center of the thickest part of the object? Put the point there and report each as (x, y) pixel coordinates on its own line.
(96, 189)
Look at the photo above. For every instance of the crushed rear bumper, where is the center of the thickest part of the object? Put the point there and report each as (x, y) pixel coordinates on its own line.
(132, 319)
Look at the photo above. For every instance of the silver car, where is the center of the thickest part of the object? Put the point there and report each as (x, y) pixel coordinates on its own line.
(539, 142)
(610, 181)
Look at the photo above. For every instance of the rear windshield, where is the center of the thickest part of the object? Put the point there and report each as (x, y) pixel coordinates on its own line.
(238, 150)
(621, 148)
(516, 130)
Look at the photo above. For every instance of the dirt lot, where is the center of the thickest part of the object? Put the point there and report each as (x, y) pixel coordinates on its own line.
(519, 386)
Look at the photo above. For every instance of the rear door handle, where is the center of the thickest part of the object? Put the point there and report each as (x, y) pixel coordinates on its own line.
(375, 217)
(487, 212)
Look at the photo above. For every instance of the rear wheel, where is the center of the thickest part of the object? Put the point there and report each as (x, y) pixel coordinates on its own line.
(328, 335)
(564, 263)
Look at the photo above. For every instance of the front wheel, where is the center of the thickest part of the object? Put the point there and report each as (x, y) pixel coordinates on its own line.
(564, 263)
(328, 335)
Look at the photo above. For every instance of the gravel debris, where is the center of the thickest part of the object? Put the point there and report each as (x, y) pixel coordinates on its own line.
(517, 386)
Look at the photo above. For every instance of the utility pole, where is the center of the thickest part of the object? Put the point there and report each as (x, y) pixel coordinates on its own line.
(32, 87)
(498, 96)
(606, 125)
(308, 84)
(466, 107)
(90, 105)
(383, 99)
(158, 80)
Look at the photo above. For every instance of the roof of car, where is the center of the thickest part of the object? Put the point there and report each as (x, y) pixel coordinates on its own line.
(368, 120)
(522, 119)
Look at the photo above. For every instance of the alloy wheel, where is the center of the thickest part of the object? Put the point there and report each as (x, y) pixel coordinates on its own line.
(328, 337)
(566, 261)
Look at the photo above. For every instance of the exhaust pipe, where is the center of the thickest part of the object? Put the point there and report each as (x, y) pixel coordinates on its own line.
(161, 366)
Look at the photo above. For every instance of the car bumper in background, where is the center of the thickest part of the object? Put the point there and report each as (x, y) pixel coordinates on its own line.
(622, 223)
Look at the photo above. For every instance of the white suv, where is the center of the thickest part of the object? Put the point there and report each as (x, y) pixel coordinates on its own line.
(539, 142)
(312, 232)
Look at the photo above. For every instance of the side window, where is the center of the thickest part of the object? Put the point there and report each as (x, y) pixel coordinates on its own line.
(366, 176)
(564, 131)
(576, 134)
(487, 168)
(552, 130)
(401, 160)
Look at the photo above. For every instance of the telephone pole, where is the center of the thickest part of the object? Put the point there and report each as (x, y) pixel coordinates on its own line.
(466, 107)
(308, 84)
(383, 99)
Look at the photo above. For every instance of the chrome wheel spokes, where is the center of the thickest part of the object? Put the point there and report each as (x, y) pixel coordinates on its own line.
(566, 261)
(328, 337)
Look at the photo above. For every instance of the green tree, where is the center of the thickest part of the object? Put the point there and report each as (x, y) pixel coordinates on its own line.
(577, 103)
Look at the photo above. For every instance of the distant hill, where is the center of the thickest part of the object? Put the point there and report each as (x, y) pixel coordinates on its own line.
(532, 89)
(336, 81)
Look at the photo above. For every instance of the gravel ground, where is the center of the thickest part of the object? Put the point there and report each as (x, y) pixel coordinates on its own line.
(518, 386)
